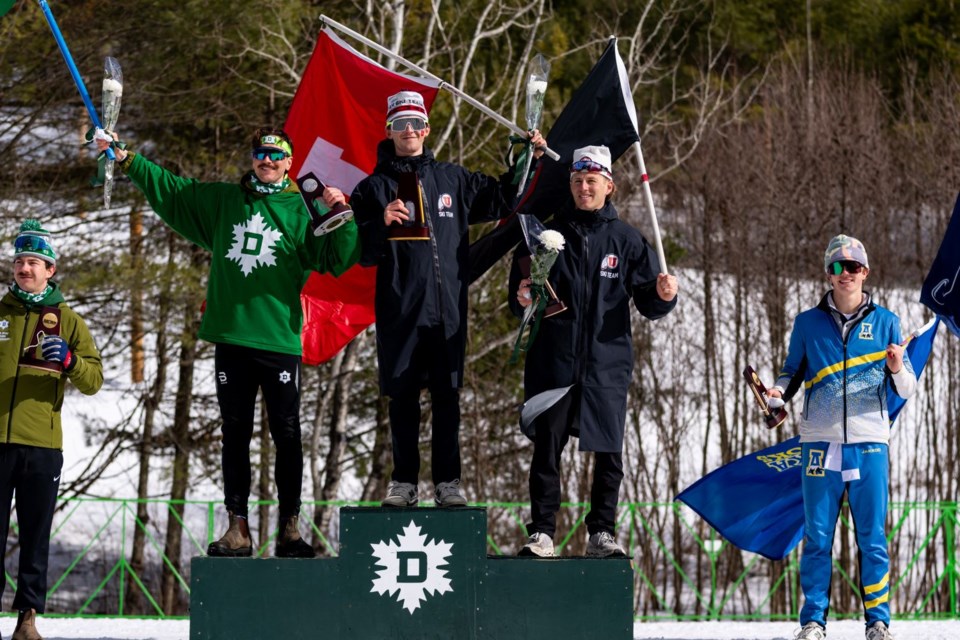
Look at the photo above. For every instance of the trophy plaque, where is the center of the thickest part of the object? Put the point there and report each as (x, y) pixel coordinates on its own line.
(554, 305)
(773, 417)
(411, 193)
(47, 325)
(322, 218)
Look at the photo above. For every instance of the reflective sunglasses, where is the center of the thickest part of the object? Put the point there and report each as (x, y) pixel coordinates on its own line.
(849, 266)
(269, 153)
(31, 243)
(401, 124)
(589, 165)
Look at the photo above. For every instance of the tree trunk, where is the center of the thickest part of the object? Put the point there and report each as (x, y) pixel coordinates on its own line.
(135, 602)
(338, 434)
(180, 436)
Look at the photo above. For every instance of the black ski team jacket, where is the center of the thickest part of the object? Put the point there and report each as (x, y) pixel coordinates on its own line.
(422, 283)
(604, 264)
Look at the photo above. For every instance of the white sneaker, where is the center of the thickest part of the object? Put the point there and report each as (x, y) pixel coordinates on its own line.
(879, 631)
(400, 494)
(812, 631)
(538, 544)
(603, 545)
(448, 494)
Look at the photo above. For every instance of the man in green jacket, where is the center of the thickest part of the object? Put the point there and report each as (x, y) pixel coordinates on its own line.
(43, 343)
(262, 250)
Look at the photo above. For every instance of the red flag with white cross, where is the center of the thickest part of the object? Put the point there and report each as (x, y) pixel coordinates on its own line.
(337, 118)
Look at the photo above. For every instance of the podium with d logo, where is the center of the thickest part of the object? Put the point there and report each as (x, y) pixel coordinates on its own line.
(412, 574)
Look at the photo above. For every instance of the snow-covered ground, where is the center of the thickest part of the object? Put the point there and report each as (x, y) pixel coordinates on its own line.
(119, 629)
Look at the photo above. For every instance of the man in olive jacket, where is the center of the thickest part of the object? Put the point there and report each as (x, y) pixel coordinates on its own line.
(43, 343)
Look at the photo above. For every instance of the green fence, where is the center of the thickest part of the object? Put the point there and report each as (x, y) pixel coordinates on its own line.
(682, 569)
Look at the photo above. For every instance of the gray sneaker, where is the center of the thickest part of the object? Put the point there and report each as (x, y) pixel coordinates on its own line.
(400, 494)
(603, 545)
(539, 545)
(879, 631)
(812, 631)
(448, 494)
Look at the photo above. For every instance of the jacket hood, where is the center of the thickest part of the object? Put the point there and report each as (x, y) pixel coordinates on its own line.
(390, 163)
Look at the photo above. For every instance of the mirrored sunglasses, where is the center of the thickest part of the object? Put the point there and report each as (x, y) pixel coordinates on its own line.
(401, 124)
(589, 165)
(269, 153)
(31, 243)
(849, 266)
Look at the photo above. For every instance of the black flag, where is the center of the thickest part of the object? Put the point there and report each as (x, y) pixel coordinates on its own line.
(600, 112)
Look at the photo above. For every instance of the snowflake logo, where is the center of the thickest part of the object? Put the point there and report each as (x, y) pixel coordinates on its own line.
(284, 377)
(411, 566)
(253, 244)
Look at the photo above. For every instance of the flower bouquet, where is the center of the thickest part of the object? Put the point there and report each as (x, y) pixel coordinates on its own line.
(536, 90)
(545, 246)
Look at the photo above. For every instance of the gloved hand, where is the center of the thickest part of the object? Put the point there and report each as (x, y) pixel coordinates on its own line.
(55, 349)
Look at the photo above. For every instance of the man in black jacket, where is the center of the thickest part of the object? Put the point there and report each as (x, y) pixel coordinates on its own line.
(421, 298)
(587, 349)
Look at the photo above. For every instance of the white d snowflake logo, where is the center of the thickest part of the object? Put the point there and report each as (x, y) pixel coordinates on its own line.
(253, 243)
(412, 567)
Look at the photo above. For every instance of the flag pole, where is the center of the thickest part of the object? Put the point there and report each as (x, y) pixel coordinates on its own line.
(77, 80)
(648, 198)
(442, 84)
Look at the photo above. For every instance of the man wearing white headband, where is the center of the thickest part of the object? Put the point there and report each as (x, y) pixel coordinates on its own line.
(262, 249)
(846, 353)
(421, 298)
(587, 348)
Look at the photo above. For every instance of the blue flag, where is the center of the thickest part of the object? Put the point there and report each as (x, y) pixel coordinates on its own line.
(941, 292)
(756, 501)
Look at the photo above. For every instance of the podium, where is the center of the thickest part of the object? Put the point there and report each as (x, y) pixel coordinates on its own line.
(412, 574)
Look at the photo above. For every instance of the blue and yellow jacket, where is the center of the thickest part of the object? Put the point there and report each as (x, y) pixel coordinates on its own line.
(845, 378)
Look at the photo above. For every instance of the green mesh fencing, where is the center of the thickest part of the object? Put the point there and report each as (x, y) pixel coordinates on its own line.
(682, 569)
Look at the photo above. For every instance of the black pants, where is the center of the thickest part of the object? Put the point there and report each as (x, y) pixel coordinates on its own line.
(553, 431)
(33, 474)
(240, 372)
(429, 363)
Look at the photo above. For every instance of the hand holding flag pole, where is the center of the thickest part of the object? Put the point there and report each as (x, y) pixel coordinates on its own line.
(73, 71)
(441, 83)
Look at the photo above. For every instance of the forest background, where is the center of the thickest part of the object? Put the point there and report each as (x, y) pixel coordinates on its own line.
(768, 126)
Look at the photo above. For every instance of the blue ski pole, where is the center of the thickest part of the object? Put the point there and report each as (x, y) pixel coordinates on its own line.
(73, 70)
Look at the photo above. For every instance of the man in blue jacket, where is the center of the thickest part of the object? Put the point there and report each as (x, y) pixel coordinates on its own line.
(845, 351)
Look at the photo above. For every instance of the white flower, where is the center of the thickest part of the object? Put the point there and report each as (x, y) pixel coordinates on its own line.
(536, 86)
(552, 240)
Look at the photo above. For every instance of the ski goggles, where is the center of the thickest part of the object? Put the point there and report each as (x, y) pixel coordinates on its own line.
(850, 266)
(32, 243)
(400, 124)
(269, 153)
(590, 167)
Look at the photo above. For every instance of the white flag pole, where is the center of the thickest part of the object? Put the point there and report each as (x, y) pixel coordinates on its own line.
(442, 84)
(648, 198)
(647, 194)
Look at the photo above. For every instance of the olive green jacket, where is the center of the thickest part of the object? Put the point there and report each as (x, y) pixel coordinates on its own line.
(30, 399)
